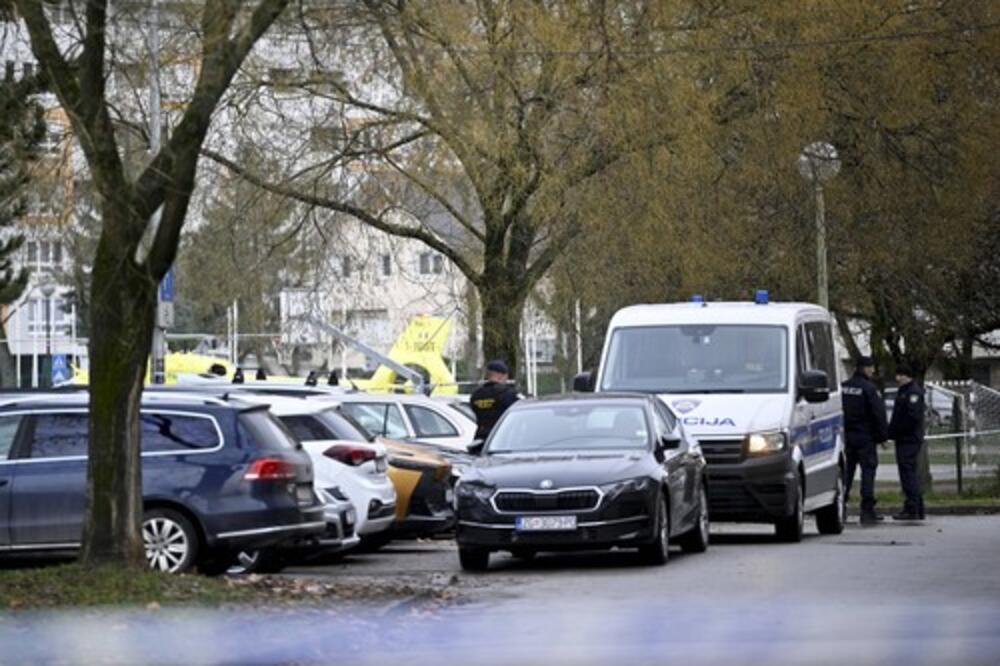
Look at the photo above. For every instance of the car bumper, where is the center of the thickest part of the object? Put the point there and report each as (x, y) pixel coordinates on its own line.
(271, 535)
(756, 490)
(630, 531)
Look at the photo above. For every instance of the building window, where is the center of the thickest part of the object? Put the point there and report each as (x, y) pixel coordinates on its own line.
(9, 71)
(28, 69)
(431, 263)
(59, 319)
(386, 265)
(346, 267)
(326, 139)
(44, 255)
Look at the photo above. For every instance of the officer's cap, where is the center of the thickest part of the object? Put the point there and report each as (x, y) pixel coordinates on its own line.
(904, 369)
(865, 362)
(498, 366)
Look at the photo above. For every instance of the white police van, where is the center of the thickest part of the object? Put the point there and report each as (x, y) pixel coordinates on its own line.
(757, 384)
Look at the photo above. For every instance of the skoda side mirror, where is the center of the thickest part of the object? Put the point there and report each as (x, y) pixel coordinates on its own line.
(814, 386)
(583, 382)
(668, 442)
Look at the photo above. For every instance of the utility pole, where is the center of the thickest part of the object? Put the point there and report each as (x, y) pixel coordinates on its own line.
(819, 162)
(155, 125)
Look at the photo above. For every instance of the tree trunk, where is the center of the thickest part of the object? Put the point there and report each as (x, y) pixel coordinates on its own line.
(123, 305)
(502, 309)
(8, 373)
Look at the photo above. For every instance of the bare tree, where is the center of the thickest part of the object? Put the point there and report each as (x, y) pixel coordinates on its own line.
(127, 270)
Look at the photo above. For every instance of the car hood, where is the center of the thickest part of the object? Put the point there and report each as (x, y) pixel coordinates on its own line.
(561, 469)
(725, 414)
(412, 454)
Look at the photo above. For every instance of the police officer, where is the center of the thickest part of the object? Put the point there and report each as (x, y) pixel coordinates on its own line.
(906, 428)
(492, 399)
(864, 429)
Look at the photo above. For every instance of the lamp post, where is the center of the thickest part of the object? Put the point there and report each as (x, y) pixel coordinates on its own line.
(818, 163)
(47, 291)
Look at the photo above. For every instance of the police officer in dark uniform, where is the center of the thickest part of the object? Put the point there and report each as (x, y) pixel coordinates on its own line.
(864, 430)
(906, 428)
(492, 399)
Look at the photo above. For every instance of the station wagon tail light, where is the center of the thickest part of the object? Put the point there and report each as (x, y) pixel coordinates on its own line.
(350, 455)
(270, 469)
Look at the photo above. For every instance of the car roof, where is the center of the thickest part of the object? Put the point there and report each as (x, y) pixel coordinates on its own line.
(81, 398)
(608, 397)
(727, 312)
(287, 406)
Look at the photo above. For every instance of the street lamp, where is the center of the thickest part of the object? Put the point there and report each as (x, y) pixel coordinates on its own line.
(818, 163)
(47, 291)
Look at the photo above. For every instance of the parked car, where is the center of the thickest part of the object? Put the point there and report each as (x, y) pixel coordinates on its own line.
(939, 406)
(583, 473)
(339, 536)
(219, 476)
(341, 457)
(410, 417)
(422, 477)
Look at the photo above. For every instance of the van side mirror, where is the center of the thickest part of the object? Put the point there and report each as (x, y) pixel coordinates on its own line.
(584, 382)
(476, 447)
(668, 442)
(814, 386)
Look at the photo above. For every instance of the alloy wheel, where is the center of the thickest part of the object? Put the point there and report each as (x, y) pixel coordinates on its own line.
(167, 544)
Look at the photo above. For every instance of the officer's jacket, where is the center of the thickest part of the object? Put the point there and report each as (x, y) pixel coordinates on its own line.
(907, 422)
(864, 411)
(489, 402)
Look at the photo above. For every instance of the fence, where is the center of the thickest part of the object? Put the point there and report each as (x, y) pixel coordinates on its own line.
(963, 435)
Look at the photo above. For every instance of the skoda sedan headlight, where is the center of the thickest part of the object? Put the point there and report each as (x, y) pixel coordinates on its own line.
(474, 490)
(637, 485)
(763, 443)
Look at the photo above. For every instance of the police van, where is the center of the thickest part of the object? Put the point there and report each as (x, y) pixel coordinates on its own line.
(757, 384)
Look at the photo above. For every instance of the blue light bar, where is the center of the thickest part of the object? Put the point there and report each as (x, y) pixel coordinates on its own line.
(697, 298)
(760, 297)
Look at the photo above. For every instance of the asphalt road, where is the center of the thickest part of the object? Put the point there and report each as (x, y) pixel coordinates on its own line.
(907, 594)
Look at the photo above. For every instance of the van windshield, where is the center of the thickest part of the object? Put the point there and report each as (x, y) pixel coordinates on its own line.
(697, 359)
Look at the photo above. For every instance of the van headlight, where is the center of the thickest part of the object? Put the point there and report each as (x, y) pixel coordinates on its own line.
(763, 443)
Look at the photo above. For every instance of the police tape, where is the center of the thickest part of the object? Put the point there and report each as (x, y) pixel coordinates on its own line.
(966, 434)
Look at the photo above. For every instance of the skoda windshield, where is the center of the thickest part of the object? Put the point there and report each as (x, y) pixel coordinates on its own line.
(697, 359)
(571, 426)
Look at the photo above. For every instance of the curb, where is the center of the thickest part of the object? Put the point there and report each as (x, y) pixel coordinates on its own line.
(957, 510)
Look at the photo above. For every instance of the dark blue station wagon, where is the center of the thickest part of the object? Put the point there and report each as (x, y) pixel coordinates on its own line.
(218, 476)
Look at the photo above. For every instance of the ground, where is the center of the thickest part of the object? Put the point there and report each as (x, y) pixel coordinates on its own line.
(892, 594)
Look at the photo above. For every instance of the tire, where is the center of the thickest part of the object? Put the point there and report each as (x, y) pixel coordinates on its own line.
(658, 551)
(170, 541)
(216, 562)
(474, 559)
(524, 554)
(789, 528)
(264, 560)
(696, 540)
(830, 519)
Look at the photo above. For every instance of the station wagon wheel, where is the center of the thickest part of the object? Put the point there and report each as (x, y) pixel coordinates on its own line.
(170, 541)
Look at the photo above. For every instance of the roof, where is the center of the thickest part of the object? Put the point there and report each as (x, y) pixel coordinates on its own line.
(586, 397)
(149, 399)
(727, 312)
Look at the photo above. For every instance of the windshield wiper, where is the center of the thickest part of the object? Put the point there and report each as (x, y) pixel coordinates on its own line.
(693, 391)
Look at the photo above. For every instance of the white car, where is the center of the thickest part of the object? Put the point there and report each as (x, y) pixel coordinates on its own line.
(358, 469)
(408, 416)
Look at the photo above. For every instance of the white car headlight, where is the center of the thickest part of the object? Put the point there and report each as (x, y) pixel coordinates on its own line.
(762, 443)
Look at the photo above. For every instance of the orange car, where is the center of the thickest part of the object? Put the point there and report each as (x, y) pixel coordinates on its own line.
(423, 485)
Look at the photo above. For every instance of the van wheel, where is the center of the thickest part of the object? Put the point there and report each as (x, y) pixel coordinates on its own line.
(696, 540)
(170, 541)
(474, 559)
(831, 518)
(789, 529)
(658, 551)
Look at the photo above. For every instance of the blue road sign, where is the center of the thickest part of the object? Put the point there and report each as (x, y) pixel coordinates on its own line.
(61, 371)
(167, 286)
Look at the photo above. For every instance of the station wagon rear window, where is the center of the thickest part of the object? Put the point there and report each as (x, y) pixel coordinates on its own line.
(698, 359)
(163, 432)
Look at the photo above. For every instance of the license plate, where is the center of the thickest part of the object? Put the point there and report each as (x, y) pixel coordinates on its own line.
(545, 523)
(304, 495)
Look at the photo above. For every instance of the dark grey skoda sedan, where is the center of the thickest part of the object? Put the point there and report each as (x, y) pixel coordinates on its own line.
(584, 472)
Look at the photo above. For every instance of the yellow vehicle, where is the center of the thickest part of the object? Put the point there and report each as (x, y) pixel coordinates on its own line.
(422, 480)
(174, 364)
